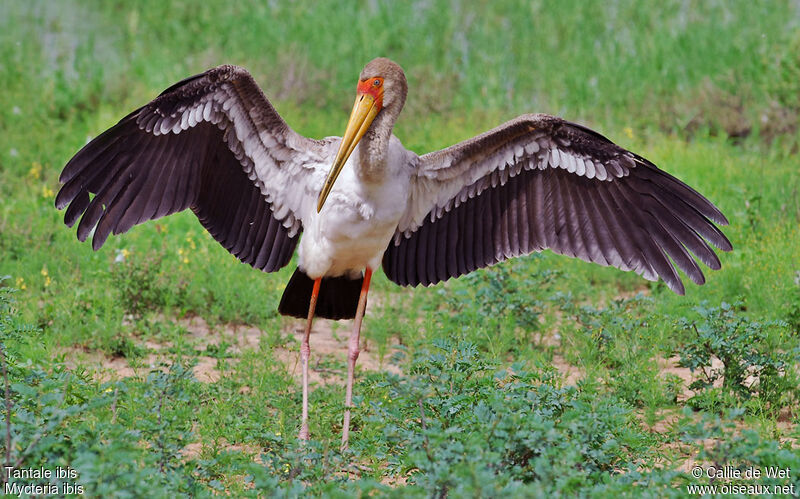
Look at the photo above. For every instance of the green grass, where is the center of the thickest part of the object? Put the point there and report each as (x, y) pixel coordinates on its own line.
(709, 92)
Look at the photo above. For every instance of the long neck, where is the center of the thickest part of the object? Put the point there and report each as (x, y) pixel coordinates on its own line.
(374, 147)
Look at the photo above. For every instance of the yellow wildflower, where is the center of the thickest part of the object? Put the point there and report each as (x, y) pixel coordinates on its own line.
(21, 284)
(36, 171)
(628, 132)
(182, 254)
(47, 280)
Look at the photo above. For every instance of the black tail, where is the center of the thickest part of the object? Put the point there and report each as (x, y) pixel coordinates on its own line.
(338, 297)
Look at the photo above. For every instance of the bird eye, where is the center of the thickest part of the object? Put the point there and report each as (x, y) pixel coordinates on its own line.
(376, 83)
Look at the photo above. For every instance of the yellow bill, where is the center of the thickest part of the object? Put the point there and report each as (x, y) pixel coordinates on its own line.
(364, 111)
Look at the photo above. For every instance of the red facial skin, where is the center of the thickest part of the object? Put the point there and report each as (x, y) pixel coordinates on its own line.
(369, 87)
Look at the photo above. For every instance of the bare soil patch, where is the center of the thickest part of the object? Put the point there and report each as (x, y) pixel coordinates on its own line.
(106, 367)
(326, 344)
(195, 449)
(571, 374)
(670, 366)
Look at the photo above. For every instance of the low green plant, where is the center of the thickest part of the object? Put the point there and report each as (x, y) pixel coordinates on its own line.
(124, 346)
(514, 290)
(58, 417)
(459, 426)
(793, 306)
(605, 328)
(142, 286)
(720, 443)
(753, 364)
(13, 332)
(506, 303)
(619, 337)
(165, 425)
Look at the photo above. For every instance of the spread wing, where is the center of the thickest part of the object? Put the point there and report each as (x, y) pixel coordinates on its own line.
(540, 182)
(212, 143)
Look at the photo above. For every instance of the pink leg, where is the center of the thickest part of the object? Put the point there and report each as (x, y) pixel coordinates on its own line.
(352, 355)
(305, 355)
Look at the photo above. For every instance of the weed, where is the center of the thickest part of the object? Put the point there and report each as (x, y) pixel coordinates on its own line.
(166, 394)
(13, 332)
(124, 346)
(603, 329)
(793, 305)
(508, 304)
(616, 338)
(752, 363)
(142, 285)
(722, 446)
(463, 426)
(513, 291)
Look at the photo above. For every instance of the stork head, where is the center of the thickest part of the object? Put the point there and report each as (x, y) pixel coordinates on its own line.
(392, 84)
(381, 89)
